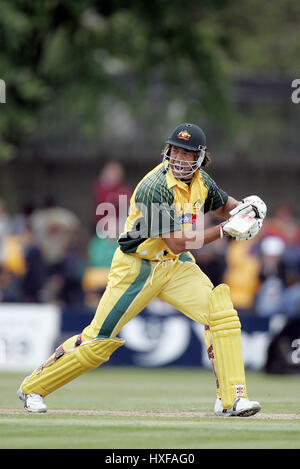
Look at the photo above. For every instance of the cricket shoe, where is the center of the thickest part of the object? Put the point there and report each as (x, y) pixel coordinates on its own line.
(32, 402)
(241, 408)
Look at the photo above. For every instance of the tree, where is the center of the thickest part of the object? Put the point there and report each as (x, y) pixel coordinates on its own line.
(69, 55)
(76, 52)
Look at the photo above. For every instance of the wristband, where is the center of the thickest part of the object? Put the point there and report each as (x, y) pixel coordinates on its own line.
(221, 231)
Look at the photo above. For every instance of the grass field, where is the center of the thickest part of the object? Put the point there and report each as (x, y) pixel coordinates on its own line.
(115, 408)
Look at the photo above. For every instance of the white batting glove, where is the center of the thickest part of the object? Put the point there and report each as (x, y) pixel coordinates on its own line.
(252, 232)
(245, 219)
(244, 208)
(241, 227)
(252, 205)
(258, 205)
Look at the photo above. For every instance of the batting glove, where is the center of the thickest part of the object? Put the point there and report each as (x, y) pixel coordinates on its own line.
(257, 204)
(253, 231)
(233, 232)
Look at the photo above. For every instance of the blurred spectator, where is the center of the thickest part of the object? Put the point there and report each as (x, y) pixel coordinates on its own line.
(71, 291)
(12, 262)
(109, 186)
(280, 273)
(272, 249)
(21, 266)
(101, 249)
(272, 276)
(10, 286)
(283, 223)
(55, 228)
(4, 220)
(211, 257)
(56, 231)
(289, 301)
(23, 272)
(12, 255)
(242, 274)
(21, 220)
(34, 277)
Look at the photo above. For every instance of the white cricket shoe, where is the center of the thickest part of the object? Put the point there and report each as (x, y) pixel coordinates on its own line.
(241, 408)
(32, 402)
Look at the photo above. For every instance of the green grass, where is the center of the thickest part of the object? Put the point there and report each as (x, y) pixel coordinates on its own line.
(129, 389)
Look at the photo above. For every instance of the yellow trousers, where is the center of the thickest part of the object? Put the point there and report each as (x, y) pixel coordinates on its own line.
(134, 282)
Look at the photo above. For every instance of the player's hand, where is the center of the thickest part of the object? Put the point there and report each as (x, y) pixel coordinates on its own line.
(257, 204)
(252, 205)
(252, 232)
(243, 208)
(241, 227)
(245, 219)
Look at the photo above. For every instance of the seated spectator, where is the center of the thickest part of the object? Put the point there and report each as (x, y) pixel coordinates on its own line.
(272, 276)
(56, 230)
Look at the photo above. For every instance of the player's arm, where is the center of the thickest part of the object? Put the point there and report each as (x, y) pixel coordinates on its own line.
(224, 210)
(213, 233)
(179, 242)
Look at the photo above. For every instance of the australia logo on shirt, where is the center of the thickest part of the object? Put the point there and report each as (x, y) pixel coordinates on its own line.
(188, 218)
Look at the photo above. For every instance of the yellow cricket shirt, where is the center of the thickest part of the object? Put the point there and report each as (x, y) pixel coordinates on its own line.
(162, 204)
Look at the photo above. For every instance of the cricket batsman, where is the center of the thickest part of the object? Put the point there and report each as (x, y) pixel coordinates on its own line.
(165, 222)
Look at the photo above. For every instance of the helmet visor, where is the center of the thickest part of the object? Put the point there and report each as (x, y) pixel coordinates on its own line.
(183, 169)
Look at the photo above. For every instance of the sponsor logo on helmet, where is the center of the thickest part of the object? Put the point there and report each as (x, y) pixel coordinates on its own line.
(184, 135)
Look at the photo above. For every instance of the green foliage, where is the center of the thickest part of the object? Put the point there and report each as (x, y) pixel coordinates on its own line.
(73, 55)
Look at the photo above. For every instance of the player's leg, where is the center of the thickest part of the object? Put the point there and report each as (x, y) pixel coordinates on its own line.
(225, 328)
(190, 291)
(211, 356)
(128, 291)
(74, 357)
